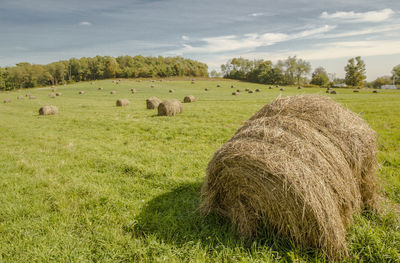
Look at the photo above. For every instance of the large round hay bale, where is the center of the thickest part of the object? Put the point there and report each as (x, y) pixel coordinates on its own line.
(100, 88)
(20, 97)
(122, 102)
(133, 90)
(218, 86)
(171, 91)
(113, 92)
(58, 94)
(232, 87)
(250, 91)
(269, 87)
(258, 90)
(169, 108)
(52, 95)
(48, 110)
(206, 89)
(282, 89)
(152, 103)
(7, 100)
(302, 166)
(298, 87)
(375, 91)
(189, 98)
(235, 93)
(238, 90)
(246, 89)
(31, 97)
(333, 92)
(356, 90)
(81, 92)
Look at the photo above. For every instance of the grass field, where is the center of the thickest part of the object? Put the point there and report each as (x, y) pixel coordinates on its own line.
(100, 183)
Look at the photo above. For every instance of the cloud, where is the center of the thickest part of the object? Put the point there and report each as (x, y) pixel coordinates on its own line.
(256, 14)
(371, 16)
(185, 38)
(248, 41)
(85, 23)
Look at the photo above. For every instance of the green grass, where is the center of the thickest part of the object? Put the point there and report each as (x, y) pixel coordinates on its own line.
(100, 183)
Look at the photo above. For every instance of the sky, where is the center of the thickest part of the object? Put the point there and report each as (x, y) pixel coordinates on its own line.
(326, 33)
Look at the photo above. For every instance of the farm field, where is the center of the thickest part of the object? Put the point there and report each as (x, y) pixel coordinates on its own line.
(100, 183)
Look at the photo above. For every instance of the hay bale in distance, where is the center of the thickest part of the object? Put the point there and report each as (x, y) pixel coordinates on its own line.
(152, 103)
(235, 93)
(31, 97)
(302, 166)
(218, 85)
(298, 87)
(171, 91)
(250, 91)
(52, 95)
(269, 87)
(100, 88)
(122, 102)
(258, 90)
(246, 89)
(356, 90)
(7, 100)
(133, 91)
(375, 91)
(58, 94)
(20, 97)
(81, 92)
(48, 110)
(189, 98)
(238, 90)
(206, 89)
(113, 92)
(232, 87)
(282, 89)
(333, 92)
(169, 108)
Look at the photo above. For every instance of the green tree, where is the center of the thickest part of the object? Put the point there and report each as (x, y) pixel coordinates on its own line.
(396, 74)
(380, 81)
(355, 72)
(320, 77)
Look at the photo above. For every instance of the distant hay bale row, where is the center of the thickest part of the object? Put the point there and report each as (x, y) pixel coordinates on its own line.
(302, 166)
(169, 108)
(122, 102)
(189, 98)
(152, 103)
(48, 110)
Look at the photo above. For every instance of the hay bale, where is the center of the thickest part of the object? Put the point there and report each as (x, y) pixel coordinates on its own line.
(152, 86)
(48, 110)
(375, 91)
(100, 89)
(246, 89)
(232, 87)
(31, 97)
(250, 91)
(81, 92)
(258, 90)
(218, 85)
(20, 97)
(282, 89)
(53, 90)
(52, 95)
(58, 94)
(133, 91)
(333, 92)
(189, 98)
(27, 95)
(206, 89)
(113, 92)
(169, 108)
(122, 102)
(302, 166)
(269, 87)
(298, 87)
(152, 103)
(238, 90)
(356, 90)
(7, 100)
(171, 91)
(235, 93)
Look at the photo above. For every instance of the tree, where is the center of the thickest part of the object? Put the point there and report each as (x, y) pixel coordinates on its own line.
(396, 74)
(320, 77)
(380, 81)
(355, 72)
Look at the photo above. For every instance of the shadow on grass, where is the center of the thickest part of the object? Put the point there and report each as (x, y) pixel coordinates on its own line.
(174, 218)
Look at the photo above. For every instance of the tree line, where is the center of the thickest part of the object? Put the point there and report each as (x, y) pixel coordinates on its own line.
(27, 75)
(293, 70)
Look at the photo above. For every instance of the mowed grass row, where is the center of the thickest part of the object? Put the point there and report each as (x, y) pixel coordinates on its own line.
(115, 184)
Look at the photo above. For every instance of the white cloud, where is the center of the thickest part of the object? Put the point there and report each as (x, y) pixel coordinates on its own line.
(256, 14)
(248, 41)
(85, 23)
(185, 38)
(371, 16)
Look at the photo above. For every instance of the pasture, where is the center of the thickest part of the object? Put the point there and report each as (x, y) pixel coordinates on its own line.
(101, 183)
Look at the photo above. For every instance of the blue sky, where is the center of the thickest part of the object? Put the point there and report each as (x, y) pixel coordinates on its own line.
(326, 33)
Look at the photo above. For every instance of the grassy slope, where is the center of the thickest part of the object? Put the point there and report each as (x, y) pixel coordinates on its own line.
(101, 183)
